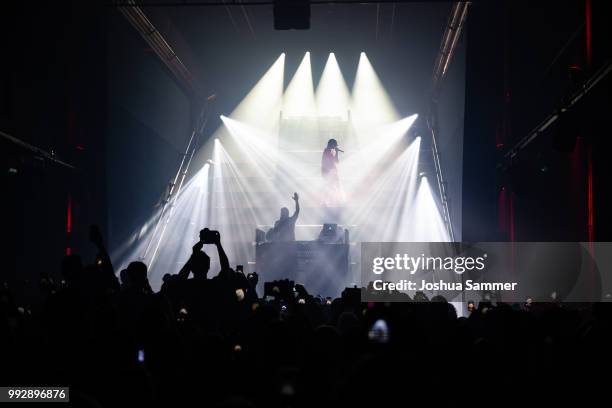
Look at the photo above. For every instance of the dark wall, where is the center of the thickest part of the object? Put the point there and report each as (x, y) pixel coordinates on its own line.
(484, 101)
(451, 113)
(51, 96)
(524, 61)
(148, 127)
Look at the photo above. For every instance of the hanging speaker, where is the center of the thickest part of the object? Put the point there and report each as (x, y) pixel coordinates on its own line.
(291, 14)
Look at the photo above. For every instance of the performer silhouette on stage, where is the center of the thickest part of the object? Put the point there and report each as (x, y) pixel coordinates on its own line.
(284, 227)
(333, 195)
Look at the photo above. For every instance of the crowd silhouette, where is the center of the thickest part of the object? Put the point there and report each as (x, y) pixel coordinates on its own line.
(211, 340)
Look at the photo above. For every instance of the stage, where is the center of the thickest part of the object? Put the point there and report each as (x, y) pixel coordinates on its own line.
(385, 185)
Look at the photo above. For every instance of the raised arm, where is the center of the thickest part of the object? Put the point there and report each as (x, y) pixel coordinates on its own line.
(296, 198)
(185, 270)
(225, 265)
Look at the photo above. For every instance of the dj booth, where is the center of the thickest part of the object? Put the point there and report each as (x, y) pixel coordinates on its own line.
(323, 268)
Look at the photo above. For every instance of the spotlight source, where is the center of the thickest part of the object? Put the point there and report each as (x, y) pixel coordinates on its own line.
(261, 106)
(299, 98)
(332, 95)
(371, 105)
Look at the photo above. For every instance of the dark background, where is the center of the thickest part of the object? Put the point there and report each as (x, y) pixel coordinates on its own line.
(524, 60)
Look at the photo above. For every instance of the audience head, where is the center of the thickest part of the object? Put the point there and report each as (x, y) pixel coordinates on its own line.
(313, 344)
(200, 264)
(137, 275)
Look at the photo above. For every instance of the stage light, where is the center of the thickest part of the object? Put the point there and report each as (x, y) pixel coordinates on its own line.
(298, 99)
(236, 206)
(261, 106)
(201, 178)
(371, 106)
(189, 213)
(395, 130)
(427, 219)
(332, 96)
(390, 189)
(246, 176)
(281, 172)
(374, 145)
